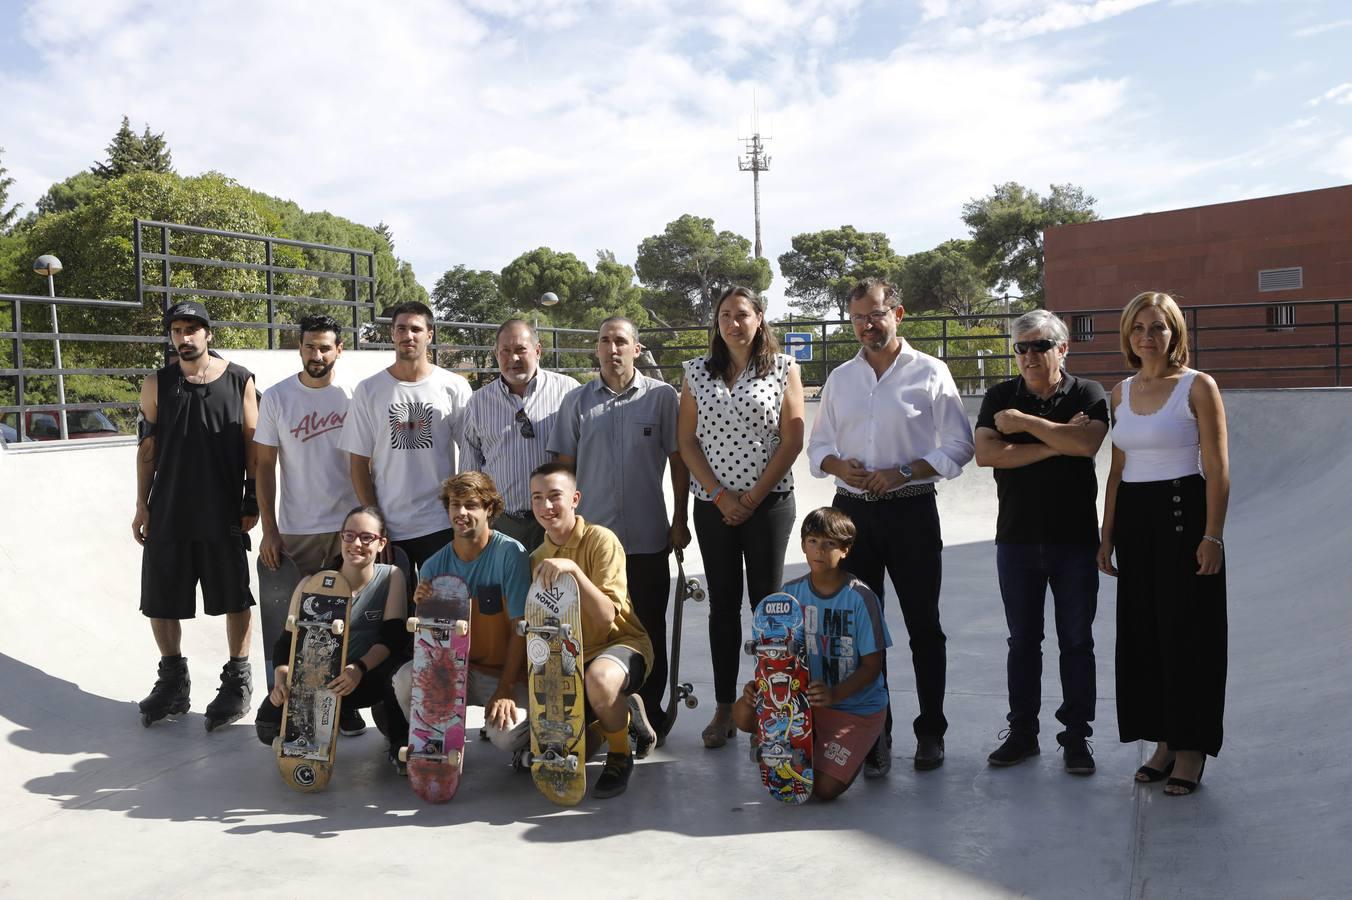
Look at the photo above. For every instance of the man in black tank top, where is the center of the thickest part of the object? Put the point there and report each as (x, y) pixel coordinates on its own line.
(194, 509)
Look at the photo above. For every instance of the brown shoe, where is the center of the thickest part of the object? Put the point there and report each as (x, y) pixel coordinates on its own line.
(717, 732)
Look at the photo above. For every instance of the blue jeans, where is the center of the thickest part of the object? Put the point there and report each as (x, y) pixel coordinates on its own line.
(1025, 572)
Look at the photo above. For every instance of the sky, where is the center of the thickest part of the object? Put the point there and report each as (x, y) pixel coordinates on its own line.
(481, 129)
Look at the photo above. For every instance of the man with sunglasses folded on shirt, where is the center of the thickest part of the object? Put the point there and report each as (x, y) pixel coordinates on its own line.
(1040, 433)
(890, 424)
(508, 424)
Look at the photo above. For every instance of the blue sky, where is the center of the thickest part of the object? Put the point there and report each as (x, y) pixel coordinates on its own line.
(484, 128)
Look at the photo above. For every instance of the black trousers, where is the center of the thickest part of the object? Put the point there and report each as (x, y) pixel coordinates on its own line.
(649, 576)
(376, 687)
(1171, 622)
(902, 538)
(756, 546)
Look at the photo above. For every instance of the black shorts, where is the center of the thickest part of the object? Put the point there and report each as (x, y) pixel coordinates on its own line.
(629, 659)
(171, 571)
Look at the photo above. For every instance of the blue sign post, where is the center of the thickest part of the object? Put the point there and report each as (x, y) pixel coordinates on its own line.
(798, 344)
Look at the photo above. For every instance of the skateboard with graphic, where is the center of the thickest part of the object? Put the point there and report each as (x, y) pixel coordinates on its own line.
(783, 738)
(274, 602)
(553, 630)
(308, 737)
(435, 752)
(680, 691)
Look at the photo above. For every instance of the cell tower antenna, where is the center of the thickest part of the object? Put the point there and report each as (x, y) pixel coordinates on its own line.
(755, 161)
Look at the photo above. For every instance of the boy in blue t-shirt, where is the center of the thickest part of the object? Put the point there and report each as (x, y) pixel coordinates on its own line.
(846, 638)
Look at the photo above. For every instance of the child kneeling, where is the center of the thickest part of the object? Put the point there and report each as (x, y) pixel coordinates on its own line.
(846, 636)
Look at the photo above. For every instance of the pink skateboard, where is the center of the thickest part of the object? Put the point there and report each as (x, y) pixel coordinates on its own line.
(436, 734)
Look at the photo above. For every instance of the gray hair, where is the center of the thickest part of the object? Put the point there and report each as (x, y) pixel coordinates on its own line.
(1041, 320)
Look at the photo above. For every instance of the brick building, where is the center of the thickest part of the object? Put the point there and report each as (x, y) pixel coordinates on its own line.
(1258, 279)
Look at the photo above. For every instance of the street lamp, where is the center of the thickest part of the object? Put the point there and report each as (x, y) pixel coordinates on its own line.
(49, 266)
(548, 298)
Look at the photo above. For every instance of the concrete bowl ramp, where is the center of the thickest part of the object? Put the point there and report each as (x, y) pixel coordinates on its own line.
(97, 805)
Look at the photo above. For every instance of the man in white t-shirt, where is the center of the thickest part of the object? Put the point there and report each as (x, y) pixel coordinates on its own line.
(299, 423)
(401, 433)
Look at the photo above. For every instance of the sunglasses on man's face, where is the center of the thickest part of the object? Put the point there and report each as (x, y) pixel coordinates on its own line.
(366, 537)
(527, 429)
(1022, 347)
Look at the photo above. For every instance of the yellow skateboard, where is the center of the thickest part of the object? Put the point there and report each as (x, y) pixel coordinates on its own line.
(553, 630)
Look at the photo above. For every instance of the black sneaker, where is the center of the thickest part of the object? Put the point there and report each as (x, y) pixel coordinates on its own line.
(879, 760)
(1079, 756)
(929, 753)
(1017, 746)
(642, 736)
(234, 696)
(614, 776)
(350, 722)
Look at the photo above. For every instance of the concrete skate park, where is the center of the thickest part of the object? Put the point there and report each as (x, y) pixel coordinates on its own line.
(100, 806)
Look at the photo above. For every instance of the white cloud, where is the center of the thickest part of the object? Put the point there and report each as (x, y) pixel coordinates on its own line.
(1341, 95)
(967, 21)
(1312, 30)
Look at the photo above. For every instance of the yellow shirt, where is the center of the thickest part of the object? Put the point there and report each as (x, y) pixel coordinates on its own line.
(599, 555)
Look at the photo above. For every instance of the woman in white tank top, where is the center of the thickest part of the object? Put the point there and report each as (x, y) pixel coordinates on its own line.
(1164, 518)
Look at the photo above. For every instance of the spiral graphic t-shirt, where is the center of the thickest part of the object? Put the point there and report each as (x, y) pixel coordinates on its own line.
(409, 430)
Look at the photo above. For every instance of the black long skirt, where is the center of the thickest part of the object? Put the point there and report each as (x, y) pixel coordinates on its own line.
(1171, 623)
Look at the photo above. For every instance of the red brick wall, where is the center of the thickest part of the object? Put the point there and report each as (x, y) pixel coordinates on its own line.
(1212, 255)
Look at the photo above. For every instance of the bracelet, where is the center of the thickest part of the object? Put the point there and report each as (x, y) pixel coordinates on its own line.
(360, 665)
(1215, 540)
(718, 493)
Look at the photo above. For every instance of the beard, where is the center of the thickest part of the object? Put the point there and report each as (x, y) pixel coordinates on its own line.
(318, 369)
(188, 352)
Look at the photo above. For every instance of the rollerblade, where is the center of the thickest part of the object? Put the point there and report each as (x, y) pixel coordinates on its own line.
(232, 699)
(169, 696)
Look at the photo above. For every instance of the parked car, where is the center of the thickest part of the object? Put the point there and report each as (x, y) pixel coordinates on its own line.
(80, 423)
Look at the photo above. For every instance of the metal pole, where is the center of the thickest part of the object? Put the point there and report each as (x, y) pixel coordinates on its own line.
(272, 303)
(18, 364)
(1337, 346)
(56, 347)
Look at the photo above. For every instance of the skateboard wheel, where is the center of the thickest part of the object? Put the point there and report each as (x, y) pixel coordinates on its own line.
(403, 754)
(461, 628)
(522, 627)
(412, 624)
(527, 759)
(336, 626)
(291, 624)
(566, 631)
(571, 763)
(749, 648)
(691, 702)
(456, 758)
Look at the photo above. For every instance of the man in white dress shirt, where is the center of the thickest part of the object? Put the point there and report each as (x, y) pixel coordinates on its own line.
(890, 424)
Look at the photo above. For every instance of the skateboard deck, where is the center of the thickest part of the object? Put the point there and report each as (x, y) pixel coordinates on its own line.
(307, 741)
(553, 630)
(783, 744)
(680, 691)
(435, 753)
(274, 602)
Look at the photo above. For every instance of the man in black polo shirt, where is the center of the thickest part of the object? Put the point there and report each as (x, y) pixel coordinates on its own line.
(1040, 432)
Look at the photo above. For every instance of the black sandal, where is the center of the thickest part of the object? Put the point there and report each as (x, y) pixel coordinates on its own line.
(1190, 786)
(1150, 775)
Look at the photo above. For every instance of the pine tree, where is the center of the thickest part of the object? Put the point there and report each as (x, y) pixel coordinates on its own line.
(7, 216)
(129, 153)
(155, 155)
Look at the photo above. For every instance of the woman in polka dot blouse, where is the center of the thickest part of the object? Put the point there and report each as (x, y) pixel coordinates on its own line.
(740, 429)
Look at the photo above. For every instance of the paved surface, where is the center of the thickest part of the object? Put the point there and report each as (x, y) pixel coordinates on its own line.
(96, 804)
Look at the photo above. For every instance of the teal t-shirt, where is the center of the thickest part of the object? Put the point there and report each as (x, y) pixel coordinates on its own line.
(840, 629)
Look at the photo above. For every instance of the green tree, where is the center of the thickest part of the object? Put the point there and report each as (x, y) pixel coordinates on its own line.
(463, 295)
(540, 271)
(7, 216)
(690, 263)
(128, 152)
(1007, 230)
(68, 194)
(824, 265)
(945, 280)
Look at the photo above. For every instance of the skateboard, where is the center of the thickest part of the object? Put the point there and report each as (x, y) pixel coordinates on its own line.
(553, 630)
(274, 601)
(680, 691)
(307, 740)
(435, 753)
(783, 739)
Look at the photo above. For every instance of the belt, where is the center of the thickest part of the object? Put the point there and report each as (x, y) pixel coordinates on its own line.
(902, 493)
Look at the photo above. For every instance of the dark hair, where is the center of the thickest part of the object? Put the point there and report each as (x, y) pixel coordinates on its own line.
(322, 323)
(476, 485)
(416, 308)
(763, 345)
(371, 510)
(865, 287)
(616, 320)
(830, 523)
(554, 467)
(517, 320)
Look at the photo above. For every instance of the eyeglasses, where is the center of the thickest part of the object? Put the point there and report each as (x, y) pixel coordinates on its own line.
(366, 537)
(1021, 347)
(527, 429)
(874, 317)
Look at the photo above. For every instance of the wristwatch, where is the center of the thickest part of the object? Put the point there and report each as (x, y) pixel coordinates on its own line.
(906, 472)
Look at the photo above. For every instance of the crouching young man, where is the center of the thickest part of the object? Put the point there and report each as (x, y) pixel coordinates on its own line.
(617, 652)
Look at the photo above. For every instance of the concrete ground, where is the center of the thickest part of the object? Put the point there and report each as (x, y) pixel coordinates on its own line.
(98, 805)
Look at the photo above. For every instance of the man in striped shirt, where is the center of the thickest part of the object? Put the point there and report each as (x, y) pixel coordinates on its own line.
(508, 424)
